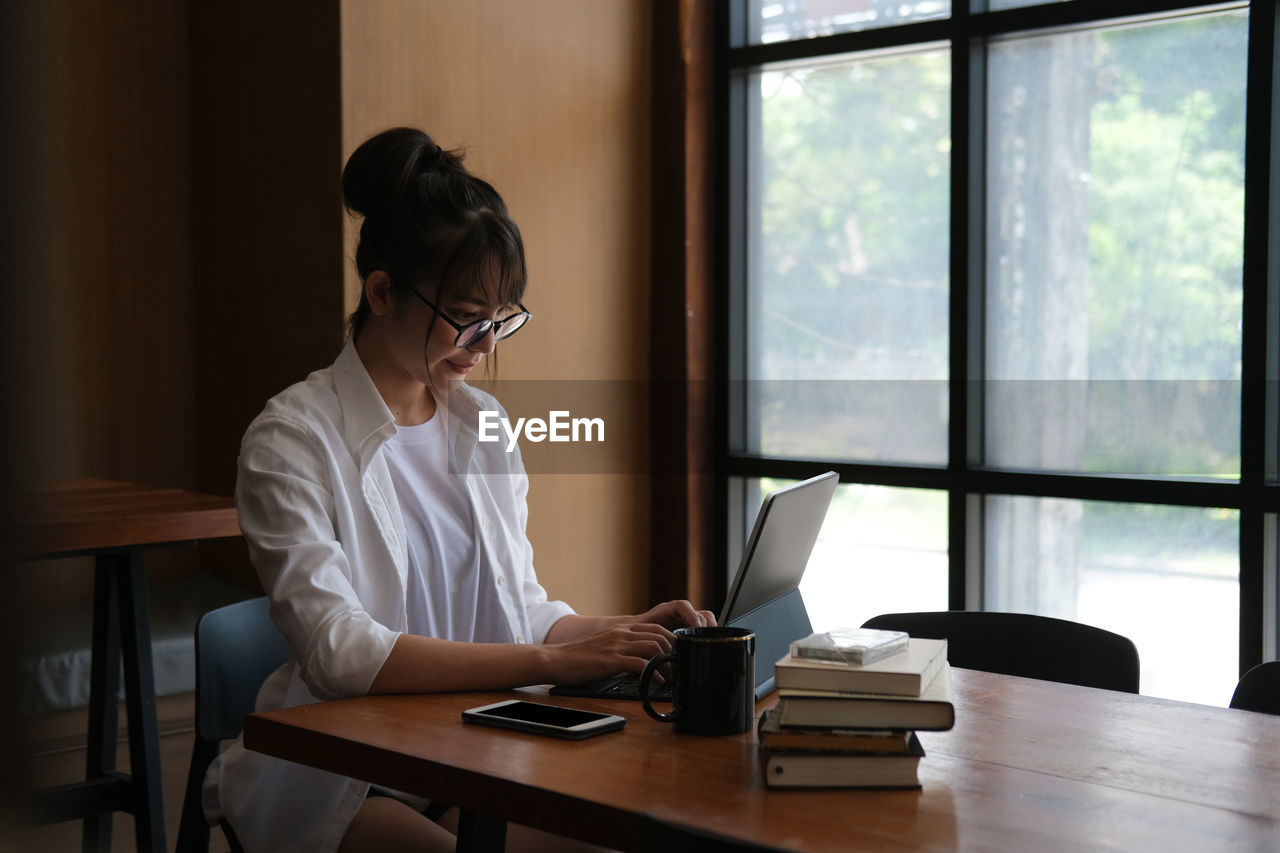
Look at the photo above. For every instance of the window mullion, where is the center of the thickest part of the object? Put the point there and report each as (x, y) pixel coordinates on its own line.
(1258, 421)
(968, 135)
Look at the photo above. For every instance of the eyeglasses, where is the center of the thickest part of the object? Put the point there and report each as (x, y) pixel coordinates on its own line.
(472, 333)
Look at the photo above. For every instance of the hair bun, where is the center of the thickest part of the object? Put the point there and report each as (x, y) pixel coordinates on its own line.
(381, 173)
(430, 161)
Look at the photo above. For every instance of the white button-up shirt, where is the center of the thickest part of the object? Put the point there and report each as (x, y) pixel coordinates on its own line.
(326, 536)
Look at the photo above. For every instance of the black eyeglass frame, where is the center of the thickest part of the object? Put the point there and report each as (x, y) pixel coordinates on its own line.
(485, 325)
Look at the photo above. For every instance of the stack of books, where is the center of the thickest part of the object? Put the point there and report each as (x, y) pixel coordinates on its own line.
(840, 724)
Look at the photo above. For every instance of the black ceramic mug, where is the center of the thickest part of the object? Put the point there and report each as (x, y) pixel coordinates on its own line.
(714, 681)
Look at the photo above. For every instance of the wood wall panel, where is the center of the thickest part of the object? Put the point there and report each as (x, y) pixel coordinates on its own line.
(551, 101)
(109, 331)
(267, 271)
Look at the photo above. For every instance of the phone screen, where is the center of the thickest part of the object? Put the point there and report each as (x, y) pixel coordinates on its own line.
(571, 723)
(547, 715)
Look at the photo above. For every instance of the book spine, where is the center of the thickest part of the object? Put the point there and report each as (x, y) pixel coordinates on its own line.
(848, 715)
(787, 770)
(890, 684)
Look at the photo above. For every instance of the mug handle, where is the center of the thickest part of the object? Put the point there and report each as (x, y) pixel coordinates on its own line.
(649, 669)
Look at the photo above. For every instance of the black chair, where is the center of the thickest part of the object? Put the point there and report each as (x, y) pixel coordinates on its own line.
(1024, 644)
(237, 647)
(1259, 689)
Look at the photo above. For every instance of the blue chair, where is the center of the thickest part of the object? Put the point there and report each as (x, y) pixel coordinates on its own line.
(1259, 689)
(237, 647)
(1025, 644)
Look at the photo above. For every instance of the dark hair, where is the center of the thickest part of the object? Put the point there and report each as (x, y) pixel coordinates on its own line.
(429, 223)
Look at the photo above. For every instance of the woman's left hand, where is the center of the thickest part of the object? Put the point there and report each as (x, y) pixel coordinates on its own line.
(676, 614)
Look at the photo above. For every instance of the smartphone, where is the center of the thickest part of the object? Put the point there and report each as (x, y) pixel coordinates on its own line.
(553, 720)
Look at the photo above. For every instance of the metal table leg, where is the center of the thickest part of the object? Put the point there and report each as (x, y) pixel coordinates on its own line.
(104, 682)
(140, 701)
(122, 630)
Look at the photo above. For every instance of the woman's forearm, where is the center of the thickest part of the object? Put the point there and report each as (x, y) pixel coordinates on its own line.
(571, 627)
(426, 665)
(578, 649)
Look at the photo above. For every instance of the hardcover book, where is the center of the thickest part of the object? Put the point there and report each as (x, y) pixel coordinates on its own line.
(904, 674)
(843, 770)
(773, 736)
(932, 710)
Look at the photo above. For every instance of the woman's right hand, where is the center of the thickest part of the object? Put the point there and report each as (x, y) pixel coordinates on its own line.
(623, 647)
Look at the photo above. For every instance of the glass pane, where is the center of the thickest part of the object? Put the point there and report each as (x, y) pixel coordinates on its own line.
(788, 20)
(1166, 577)
(1114, 254)
(848, 271)
(881, 550)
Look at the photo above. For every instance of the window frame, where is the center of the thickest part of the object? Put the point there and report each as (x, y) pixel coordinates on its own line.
(966, 478)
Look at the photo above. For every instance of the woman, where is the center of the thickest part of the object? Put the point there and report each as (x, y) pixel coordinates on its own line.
(391, 542)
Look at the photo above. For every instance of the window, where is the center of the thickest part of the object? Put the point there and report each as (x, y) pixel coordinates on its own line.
(1007, 270)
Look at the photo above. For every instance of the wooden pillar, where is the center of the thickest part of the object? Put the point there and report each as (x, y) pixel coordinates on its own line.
(681, 324)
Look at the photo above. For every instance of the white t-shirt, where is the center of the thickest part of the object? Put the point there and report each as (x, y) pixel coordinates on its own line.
(444, 595)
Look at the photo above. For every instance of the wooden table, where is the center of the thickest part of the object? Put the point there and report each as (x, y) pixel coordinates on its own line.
(115, 522)
(1030, 766)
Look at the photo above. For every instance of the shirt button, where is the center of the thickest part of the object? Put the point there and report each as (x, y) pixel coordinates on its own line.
(520, 638)
(501, 580)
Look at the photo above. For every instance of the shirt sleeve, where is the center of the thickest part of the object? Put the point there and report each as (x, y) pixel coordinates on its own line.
(541, 612)
(286, 503)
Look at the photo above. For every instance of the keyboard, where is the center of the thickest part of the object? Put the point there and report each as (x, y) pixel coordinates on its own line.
(629, 688)
(618, 687)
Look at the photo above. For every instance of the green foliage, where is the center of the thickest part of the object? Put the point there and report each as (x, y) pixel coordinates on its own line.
(1167, 201)
(852, 251)
(855, 171)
